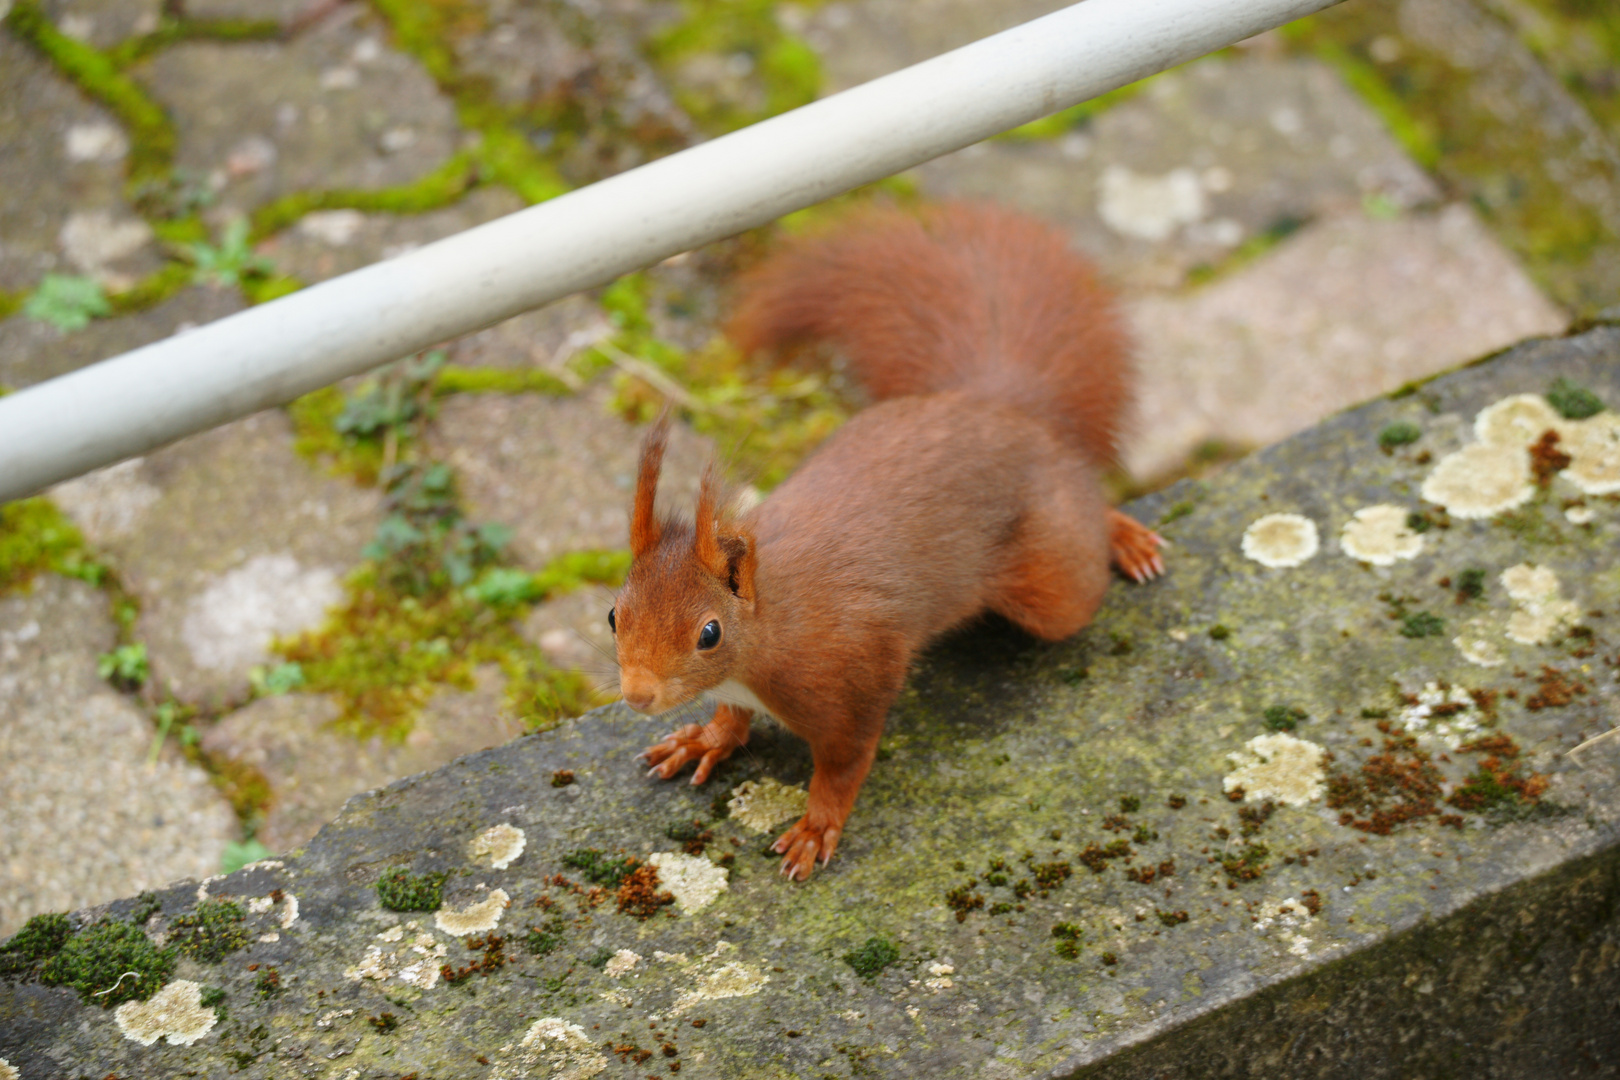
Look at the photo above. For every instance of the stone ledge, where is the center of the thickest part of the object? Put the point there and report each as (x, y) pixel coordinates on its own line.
(1489, 949)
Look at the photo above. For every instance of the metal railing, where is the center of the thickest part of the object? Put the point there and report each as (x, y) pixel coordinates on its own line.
(271, 354)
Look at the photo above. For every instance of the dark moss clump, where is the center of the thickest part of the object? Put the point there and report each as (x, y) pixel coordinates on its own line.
(1283, 717)
(693, 835)
(1173, 918)
(1129, 804)
(962, 899)
(562, 778)
(1499, 788)
(1220, 632)
(1068, 943)
(1399, 433)
(1096, 858)
(110, 963)
(639, 894)
(1422, 624)
(1573, 402)
(1247, 864)
(599, 958)
(599, 867)
(875, 954)
(211, 932)
(543, 940)
(1393, 788)
(1470, 585)
(41, 938)
(401, 890)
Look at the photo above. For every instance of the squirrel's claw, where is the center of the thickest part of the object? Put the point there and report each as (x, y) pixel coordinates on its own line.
(801, 845)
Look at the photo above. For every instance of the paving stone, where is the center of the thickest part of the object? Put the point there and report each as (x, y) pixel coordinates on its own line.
(1488, 950)
(558, 471)
(63, 157)
(327, 243)
(573, 632)
(1204, 159)
(32, 352)
(582, 58)
(332, 108)
(228, 539)
(1343, 311)
(87, 819)
(103, 23)
(313, 769)
(544, 338)
(282, 11)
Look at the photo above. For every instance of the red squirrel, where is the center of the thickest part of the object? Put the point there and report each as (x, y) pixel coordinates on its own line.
(1000, 372)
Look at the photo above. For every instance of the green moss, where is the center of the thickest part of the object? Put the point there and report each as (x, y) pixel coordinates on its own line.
(600, 868)
(786, 72)
(1416, 133)
(1579, 42)
(152, 138)
(172, 32)
(11, 303)
(1471, 584)
(1422, 624)
(1573, 402)
(153, 289)
(482, 380)
(1399, 433)
(545, 939)
(110, 963)
(36, 537)
(40, 938)
(210, 933)
(1529, 525)
(1283, 717)
(872, 957)
(125, 667)
(431, 191)
(1220, 632)
(1245, 253)
(401, 890)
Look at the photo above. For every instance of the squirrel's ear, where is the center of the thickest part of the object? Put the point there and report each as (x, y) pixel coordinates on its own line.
(645, 528)
(724, 548)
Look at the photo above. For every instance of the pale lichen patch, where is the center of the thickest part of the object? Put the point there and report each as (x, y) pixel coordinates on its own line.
(553, 1047)
(1593, 446)
(8, 1071)
(1477, 645)
(380, 964)
(1580, 515)
(501, 843)
(1540, 611)
(728, 981)
(1278, 767)
(621, 963)
(1517, 421)
(1281, 540)
(1379, 535)
(1444, 714)
(693, 880)
(1283, 919)
(761, 805)
(1481, 480)
(175, 1013)
(475, 918)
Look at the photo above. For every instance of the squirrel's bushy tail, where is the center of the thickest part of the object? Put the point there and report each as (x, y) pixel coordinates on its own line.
(962, 296)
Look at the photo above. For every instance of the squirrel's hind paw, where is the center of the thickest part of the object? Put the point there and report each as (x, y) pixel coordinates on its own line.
(1134, 548)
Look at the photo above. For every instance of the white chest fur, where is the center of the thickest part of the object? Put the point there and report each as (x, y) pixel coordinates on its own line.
(733, 692)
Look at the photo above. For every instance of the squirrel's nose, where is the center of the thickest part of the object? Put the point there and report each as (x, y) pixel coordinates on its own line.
(638, 700)
(638, 688)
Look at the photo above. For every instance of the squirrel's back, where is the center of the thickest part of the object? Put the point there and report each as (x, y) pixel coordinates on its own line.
(962, 296)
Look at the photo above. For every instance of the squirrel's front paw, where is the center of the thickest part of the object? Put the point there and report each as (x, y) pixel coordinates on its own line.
(801, 845)
(694, 742)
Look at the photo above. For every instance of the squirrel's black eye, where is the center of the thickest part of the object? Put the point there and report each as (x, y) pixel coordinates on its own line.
(710, 636)
(613, 626)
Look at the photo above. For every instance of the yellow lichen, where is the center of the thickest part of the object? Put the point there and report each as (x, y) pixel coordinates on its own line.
(1539, 609)
(692, 879)
(174, 1013)
(764, 804)
(1281, 540)
(1379, 535)
(502, 843)
(1593, 446)
(1517, 421)
(1278, 767)
(475, 918)
(1481, 480)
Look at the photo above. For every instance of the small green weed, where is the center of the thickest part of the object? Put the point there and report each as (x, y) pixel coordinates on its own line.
(872, 957)
(125, 667)
(67, 302)
(230, 263)
(238, 854)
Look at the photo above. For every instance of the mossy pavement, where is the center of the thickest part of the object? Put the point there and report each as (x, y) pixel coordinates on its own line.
(636, 86)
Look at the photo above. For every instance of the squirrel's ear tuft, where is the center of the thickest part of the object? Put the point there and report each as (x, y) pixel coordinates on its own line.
(723, 547)
(645, 528)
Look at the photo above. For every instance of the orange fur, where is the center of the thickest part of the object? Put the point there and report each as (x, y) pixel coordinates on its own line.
(1001, 374)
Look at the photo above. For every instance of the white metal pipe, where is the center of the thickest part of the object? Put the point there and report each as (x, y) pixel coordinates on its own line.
(271, 354)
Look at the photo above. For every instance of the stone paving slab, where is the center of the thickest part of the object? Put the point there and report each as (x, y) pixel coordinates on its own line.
(33, 351)
(74, 763)
(1342, 311)
(330, 108)
(313, 769)
(1345, 953)
(558, 472)
(67, 156)
(228, 539)
(104, 23)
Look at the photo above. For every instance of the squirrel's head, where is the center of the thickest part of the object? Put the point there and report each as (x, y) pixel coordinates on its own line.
(681, 623)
